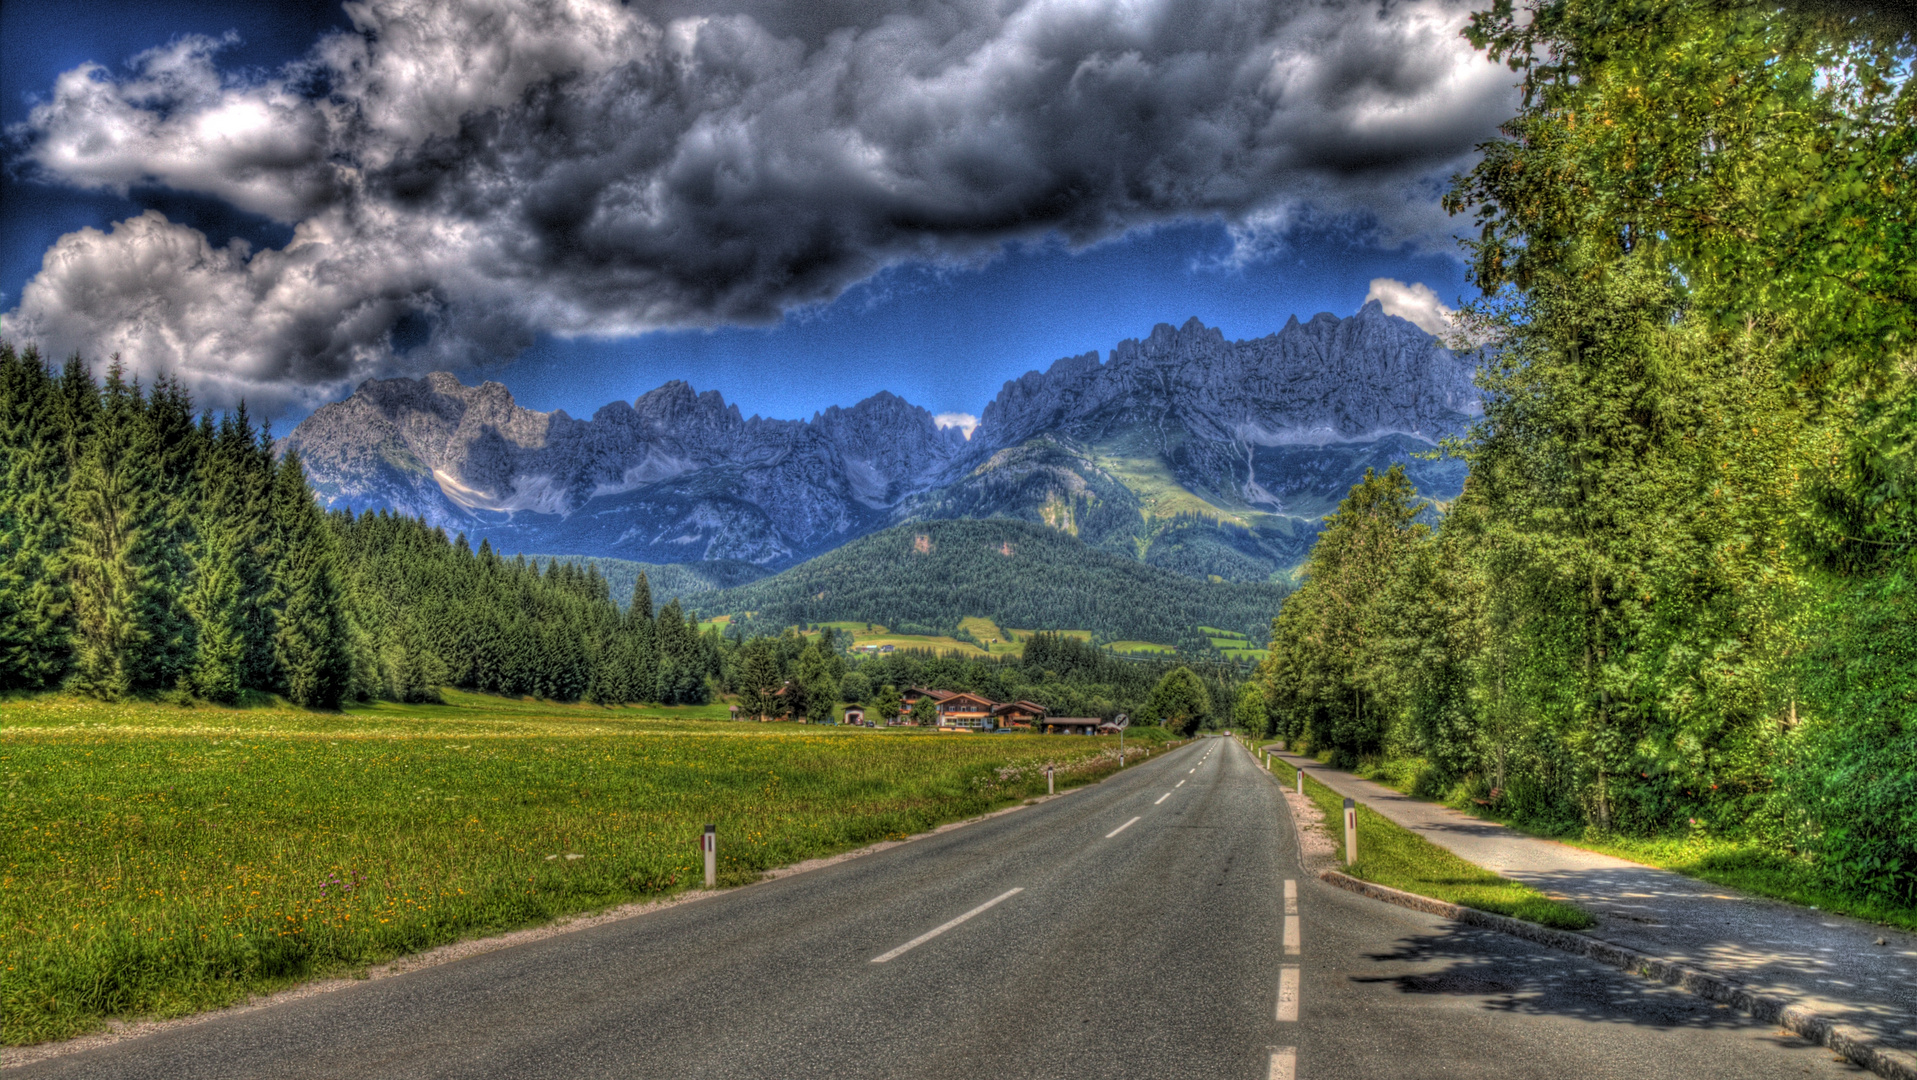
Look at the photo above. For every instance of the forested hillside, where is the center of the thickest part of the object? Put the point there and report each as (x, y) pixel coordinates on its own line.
(668, 581)
(923, 578)
(143, 551)
(1679, 590)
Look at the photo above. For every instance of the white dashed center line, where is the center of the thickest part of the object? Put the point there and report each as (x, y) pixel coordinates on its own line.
(1121, 828)
(1291, 917)
(937, 930)
(1179, 784)
(1288, 992)
(1284, 1063)
(1162, 798)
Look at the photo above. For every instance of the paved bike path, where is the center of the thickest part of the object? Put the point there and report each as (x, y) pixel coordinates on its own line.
(1831, 963)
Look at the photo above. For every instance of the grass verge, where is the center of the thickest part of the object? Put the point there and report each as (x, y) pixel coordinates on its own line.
(161, 860)
(1391, 855)
(1735, 862)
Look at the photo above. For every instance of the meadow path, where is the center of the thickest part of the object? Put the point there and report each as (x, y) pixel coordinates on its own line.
(1828, 962)
(1155, 925)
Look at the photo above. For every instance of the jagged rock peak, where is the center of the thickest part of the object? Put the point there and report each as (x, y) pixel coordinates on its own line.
(1346, 378)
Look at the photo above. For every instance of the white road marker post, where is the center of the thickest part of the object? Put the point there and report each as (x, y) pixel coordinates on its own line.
(1301, 779)
(1351, 832)
(1049, 789)
(710, 842)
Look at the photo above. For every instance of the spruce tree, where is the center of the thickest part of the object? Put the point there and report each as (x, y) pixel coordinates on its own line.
(645, 641)
(310, 645)
(35, 608)
(759, 679)
(260, 552)
(174, 444)
(112, 508)
(219, 665)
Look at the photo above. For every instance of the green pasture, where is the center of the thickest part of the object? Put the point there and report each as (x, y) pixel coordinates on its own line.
(160, 860)
(1148, 647)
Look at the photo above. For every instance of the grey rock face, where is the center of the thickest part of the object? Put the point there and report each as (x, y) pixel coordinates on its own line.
(1326, 380)
(673, 476)
(676, 476)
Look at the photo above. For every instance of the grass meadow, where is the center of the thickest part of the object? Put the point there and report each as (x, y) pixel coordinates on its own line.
(161, 860)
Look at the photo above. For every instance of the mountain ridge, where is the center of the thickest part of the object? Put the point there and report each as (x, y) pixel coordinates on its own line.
(1226, 453)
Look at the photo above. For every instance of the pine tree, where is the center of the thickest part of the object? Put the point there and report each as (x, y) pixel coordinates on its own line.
(35, 608)
(310, 646)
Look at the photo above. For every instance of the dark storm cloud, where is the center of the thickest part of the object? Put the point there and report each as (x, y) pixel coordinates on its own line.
(498, 169)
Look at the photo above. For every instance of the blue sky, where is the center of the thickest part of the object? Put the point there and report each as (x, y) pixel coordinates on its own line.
(804, 293)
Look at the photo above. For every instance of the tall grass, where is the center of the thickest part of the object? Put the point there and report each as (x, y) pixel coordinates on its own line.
(161, 860)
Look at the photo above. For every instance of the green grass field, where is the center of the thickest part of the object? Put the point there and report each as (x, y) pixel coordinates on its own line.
(162, 860)
(1392, 855)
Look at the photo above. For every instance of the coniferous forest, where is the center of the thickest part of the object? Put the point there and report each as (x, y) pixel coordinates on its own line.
(1679, 591)
(150, 551)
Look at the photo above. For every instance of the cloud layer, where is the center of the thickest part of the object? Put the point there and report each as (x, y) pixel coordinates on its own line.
(486, 170)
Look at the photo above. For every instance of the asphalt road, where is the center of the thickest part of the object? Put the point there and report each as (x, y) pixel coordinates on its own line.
(1135, 929)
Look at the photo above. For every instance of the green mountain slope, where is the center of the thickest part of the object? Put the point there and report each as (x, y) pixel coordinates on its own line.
(1015, 573)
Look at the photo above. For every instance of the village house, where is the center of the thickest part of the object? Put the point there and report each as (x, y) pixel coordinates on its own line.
(1071, 725)
(1018, 714)
(966, 711)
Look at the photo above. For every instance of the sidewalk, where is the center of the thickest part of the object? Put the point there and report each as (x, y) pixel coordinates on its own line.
(1828, 962)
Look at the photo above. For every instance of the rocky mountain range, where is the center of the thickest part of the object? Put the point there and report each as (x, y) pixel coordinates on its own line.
(1208, 457)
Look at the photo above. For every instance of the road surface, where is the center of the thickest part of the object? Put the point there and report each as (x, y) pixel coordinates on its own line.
(1138, 928)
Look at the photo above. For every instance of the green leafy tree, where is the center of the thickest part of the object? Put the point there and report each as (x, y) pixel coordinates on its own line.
(887, 703)
(1250, 713)
(816, 674)
(925, 713)
(1180, 701)
(855, 688)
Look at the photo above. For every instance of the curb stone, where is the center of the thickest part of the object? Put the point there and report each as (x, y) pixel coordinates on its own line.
(1855, 1043)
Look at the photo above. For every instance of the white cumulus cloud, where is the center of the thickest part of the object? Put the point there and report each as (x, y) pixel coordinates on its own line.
(491, 170)
(1413, 302)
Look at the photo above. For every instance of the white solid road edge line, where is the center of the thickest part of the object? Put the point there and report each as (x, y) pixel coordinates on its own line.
(1116, 831)
(1284, 1063)
(1162, 798)
(1288, 992)
(942, 928)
